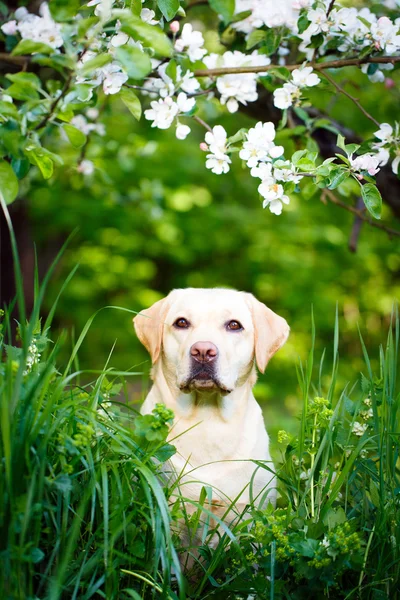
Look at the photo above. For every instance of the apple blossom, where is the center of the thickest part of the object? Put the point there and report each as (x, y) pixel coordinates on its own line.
(305, 77)
(182, 131)
(286, 95)
(147, 15)
(162, 113)
(191, 42)
(86, 167)
(218, 163)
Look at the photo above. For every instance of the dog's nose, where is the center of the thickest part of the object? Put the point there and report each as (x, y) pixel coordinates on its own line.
(204, 352)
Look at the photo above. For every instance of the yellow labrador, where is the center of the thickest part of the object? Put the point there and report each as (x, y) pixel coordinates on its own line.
(204, 344)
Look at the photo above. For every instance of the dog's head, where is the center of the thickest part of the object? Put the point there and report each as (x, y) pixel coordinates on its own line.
(208, 338)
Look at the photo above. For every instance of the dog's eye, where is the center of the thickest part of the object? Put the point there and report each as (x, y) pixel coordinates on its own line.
(234, 326)
(181, 323)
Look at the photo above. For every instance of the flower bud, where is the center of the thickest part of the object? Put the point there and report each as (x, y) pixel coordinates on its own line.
(203, 146)
(174, 26)
(389, 83)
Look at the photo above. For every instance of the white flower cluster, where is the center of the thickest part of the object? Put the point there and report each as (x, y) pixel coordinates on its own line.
(218, 160)
(164, 85)
(32, 358)
(36, 28)
(260, 153)
(354, 30)
(290, 93)
(191, 42)
(359, 428)
(372, 162)
(237, 88)
(389, 138)
(164, 111)
(268, 13)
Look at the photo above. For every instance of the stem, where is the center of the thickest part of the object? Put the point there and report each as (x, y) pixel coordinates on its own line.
(201, 122)
(327, 194)
(312, 465)
(352, 98)
(332, 64)
(54, 105)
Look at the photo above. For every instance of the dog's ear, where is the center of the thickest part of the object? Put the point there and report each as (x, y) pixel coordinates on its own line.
(270, 331)
(149, 325)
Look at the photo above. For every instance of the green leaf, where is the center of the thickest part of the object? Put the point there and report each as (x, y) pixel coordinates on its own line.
(95, 63)
(372, 199)
(20, 91)
(151, 35)
(225, 8)
(256, 37)
(340, 142)
(132, 102)
(27, 79)
(135, 62)
(8, 182)
(31, 47)
(20, 167)
(337, 178)
(171, 70)
(37, 157)
(75, 136)
(8, 111)
(169, 8)
(334, 517)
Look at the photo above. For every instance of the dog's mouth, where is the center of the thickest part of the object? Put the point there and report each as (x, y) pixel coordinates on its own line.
(203, 379)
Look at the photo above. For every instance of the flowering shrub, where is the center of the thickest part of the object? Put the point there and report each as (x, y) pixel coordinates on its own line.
(66, 60)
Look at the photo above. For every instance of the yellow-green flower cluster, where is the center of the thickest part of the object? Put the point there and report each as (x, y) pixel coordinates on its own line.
(320, 407)
(283, 436)
(84, 437)
(341, 541)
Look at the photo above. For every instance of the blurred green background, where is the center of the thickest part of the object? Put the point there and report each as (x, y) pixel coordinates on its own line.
(152, 218)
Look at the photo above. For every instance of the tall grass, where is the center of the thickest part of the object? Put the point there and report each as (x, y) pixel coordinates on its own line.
(86, 512)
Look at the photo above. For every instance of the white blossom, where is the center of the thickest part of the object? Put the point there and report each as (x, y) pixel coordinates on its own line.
(103, 8)
(184, 103)
(162, 112)
(273, 195)
(182, 131)
(269, 13)
(259, 145)
(80, 122)
(86, 167)
(10, 28)
(147, 15)
(36, 28)
(385, 133)
(191, 42)
(395, 163)
(216, 140)
(285, 96)
(237, 88)
(366, 162)
(359, 428)
(385, 35)
(113, 78)
(218, 163)
(305, 77)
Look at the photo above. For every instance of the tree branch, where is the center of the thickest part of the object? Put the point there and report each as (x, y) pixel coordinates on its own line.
(332, 64)
(352, 98)
(327, 194)
(14, 60)
(55, 103)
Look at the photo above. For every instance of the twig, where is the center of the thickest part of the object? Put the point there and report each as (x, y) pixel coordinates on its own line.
(201, 122)
(352, 98)
(14, 60)
(328, 12)
(327, 194)
(356, 229)
(55, 103)
(332, 64)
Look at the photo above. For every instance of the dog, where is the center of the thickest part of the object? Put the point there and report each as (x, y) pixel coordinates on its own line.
(204, 345)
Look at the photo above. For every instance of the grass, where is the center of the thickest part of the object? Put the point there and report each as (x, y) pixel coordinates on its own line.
(85, 511)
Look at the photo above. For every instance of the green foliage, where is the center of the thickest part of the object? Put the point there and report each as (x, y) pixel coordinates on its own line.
(85, 508)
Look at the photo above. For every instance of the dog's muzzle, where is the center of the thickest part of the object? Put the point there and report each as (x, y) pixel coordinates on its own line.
(203, 376)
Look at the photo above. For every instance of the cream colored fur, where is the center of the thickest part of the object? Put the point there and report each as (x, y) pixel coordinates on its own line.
(217, 431)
